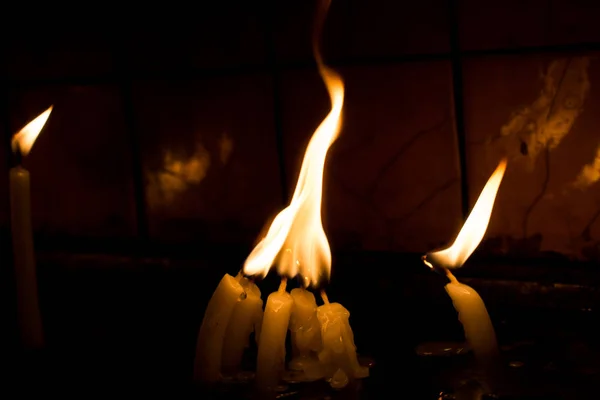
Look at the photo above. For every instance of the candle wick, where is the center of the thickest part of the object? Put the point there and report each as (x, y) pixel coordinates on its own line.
(283, 284)
(17, 155)
(324, 297)
(451, 276)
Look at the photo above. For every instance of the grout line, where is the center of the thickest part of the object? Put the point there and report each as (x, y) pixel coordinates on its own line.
(125, 84)
(458, 102)
(267, 69)
(277, 107)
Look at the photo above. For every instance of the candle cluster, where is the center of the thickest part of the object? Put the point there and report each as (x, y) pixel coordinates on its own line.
(322, 340)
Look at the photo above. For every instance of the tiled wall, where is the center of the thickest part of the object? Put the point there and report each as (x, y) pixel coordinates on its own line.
(192, 130)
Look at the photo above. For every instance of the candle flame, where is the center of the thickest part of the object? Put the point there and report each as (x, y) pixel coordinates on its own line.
(24, 139)
(296, 237)
(474, 227)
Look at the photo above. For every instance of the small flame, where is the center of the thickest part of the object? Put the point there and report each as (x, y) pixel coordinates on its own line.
(474, 228)
(24, 139)
(298, 228)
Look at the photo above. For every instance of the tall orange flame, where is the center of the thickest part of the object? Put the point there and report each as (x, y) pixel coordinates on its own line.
(298, 228)
(24, 139)
(473, 229)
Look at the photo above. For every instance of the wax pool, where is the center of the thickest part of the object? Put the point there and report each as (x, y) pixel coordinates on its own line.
(246, 317)
(207, 365)
(305, 331)
(271, 346)
(338, 355)
(25, 271)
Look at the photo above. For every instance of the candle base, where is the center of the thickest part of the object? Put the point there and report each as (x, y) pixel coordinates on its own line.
(238, 377)
(242, 387)
(308, 369)
(308, 366)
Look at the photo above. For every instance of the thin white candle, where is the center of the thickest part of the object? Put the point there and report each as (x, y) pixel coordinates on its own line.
(207, 364)
(29, 316)
(246, 318)
(472, 312)
(473, 316)
(271, 346)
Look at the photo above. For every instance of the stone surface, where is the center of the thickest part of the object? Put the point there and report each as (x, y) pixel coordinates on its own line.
(539, 112)
(70, 47)
(382, 28)
(209, 158)
(126, 307)
(215, 35)
(391, 179)
(81, 179)
(517, 23)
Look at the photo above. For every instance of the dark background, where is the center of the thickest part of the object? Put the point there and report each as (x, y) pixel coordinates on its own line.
(178, 132)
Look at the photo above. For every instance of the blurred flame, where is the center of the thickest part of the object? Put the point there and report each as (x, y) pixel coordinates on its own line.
(24, 139)
(474, 227)
(298, 228)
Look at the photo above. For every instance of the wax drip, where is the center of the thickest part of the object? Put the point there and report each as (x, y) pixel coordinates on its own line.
(238, 278)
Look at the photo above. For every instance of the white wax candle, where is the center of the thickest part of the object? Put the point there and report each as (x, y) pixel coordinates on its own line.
(305, 329)
(475, 320)
(207, 365)
(271, 346)
(339, 351)
(246, 317)
(30, 322)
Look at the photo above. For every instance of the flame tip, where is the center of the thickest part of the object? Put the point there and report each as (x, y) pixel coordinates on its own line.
(474, 228)
(298, 227)
(24, 139)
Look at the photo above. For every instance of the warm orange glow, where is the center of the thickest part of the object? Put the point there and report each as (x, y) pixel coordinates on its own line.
(298, 229)
(25, 138)
(474, 228)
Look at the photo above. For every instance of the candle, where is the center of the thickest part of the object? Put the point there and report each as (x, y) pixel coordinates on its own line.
(306, 333)
(474, 318)
(473, 315)
(207, 365)
(246, 317)
(271, 345)
(30, 322)
(338, 355)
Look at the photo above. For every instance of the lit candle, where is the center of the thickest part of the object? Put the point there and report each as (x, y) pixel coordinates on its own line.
(306, 333)
(246, 317)
(30, 322)
(479, 331)
(271, 345)
(207, 365)
(338, 355)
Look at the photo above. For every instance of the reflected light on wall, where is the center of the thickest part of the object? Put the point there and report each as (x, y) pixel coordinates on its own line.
(546, 121)
(178, 174)
(590, 173)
